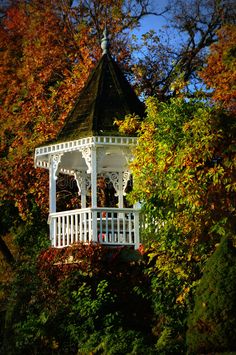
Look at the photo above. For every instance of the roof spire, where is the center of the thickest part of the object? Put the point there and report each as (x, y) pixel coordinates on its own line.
(105, 42)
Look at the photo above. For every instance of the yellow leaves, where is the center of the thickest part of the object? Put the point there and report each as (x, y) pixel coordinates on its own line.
(54, 345)
(180, 272)
(152, 109)
(130, 125)
(186, 126)
(139, 70)
(182, 296)
(179, 84)
(216, 174)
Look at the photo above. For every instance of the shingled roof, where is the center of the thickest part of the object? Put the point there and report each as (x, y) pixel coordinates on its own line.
(106, 96)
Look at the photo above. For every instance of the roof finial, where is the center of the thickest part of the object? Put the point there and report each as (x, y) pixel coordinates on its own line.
(105, 42)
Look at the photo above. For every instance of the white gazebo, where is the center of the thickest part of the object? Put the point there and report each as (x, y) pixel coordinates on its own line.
(90, 148)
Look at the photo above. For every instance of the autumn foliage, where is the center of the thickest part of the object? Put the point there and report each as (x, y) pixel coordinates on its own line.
(184, 172)
(48, 49)
(80, 306)
(89, 299)
(220, 73)
(46, 56)
(38, 85)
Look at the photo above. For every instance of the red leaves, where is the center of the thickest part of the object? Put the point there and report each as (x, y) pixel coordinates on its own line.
(87, 258)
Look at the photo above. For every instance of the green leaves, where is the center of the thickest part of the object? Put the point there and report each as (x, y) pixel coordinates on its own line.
(180, 164)
(183, 173)
(88, 305)
(212, 323)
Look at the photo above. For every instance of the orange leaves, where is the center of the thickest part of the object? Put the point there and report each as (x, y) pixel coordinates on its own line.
(220, 73)
(33, 57)
(48, 51)
(15, 19)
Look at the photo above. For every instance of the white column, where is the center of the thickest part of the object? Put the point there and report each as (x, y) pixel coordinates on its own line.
(52, 196)
(94, 177)
(83, 190)
(136, 230)
(52, 189)
(120, 191)
(54, 163)
(80, 178)
(94, 192)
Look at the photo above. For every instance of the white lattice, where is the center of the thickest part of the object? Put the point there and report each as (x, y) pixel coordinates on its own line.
(85, 142)
(114, 178)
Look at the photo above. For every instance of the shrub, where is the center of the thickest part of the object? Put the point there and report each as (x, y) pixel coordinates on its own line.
(212, 324)
(80, 300)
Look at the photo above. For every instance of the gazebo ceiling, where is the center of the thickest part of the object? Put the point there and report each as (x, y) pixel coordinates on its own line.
(112, 159)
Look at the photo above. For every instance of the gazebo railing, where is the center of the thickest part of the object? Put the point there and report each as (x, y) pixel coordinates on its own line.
(110, 226)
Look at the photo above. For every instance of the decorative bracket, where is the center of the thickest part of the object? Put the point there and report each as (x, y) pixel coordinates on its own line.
(55, 161)
(114, 178)
(82, 178)
(78, 175)
(125, 179)
(86, 154)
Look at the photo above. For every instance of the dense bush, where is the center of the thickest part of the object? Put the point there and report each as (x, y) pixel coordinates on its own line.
(212, 324)
(98, 300)
(80, 300)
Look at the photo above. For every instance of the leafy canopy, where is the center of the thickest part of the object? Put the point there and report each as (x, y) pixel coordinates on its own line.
(184, 167)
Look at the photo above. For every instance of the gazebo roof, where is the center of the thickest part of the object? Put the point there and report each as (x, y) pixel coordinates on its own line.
(106, 96)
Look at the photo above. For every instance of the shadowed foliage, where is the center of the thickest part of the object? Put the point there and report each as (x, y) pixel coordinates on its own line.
(212, 324)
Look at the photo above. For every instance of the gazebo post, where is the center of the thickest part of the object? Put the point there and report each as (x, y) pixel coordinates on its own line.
(52, 195)
(83, 190)
(94, 192)
(120, 191)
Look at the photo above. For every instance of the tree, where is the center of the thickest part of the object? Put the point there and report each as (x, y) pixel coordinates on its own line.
(184, 163)
(184, 176)
(212, 324)
(183, 167)
(172, 58)
(31, 70)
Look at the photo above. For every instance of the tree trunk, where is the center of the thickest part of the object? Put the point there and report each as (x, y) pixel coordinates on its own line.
(8, 257)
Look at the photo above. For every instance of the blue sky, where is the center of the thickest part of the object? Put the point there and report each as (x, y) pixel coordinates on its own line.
(153, 22)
